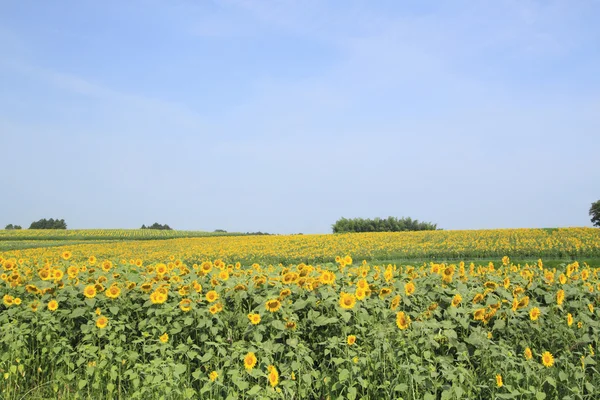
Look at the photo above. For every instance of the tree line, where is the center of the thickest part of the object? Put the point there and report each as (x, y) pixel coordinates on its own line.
(158, 226)
(390, 224)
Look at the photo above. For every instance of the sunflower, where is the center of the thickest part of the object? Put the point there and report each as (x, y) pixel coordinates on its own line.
(164, 338)
(360, 294)
(223, 275)
(250, 361)
(185, 305)
(499, 381)
(384, 292)
(273, 305)
(213, 376)
(591, 307)
(528, 354)
(351, 339)
(17, 301)
(66, 255)
(254, 318)
(106, 265)
(34, 305)
(395, 302)
(92, 260)
(479, 314)
(158, 297)
(8, 300)
(113, 292)
(102, 322)
(347, 300)
(53, 305)
(478, 297)
(273, 375)
(402, 320)
(89, 291)
(285, 293)
(560, 297)
(534, 313)
(547, 359)
(409, 288)
(212, 296)
(456, 300)
(569, 319)
(291, 325)
(327, 278)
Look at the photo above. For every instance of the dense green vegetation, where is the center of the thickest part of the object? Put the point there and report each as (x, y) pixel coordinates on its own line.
(49, 224)
(389, 224)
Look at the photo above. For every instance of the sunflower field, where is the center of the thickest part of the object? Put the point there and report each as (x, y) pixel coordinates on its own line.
(105, 321)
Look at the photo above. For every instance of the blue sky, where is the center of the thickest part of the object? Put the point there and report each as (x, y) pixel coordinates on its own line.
(283, 116)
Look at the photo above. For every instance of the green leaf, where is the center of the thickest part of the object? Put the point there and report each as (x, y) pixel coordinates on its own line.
(401, 387)
(562, 376)
(110, 387)
(344, 374)
(352, 393)
(540, 396)
(551, 381)
(242, 385)
(78, 312)
(114, 310)
(254, 391)
(590, 388)
(277, 324)
(179, 369)
(429, 396)
(82, 384)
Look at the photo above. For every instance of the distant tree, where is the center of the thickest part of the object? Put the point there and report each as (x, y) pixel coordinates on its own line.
(158, 226)
(390, 224)
(220, 231)
(143, 226)
(49, 224)
(595, 213)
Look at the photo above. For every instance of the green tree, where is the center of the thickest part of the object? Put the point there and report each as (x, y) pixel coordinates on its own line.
(49, 224)
(390, 224)
(595, 213)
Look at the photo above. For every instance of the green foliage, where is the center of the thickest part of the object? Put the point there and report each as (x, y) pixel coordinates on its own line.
(49, 224)
(12, 227)
(158, 226)
(595, 213)
(390, 224)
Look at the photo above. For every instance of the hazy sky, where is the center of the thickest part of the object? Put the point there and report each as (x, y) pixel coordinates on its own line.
(283, 116)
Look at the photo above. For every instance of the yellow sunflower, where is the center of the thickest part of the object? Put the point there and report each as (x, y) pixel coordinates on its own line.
(347, 300)
(53, 305)
(402, 320)
(254, 318)
(250, 361)
(273, 305)
(102, 322)
(547, 359)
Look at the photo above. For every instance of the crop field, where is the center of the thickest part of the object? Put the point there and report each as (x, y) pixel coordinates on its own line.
(305, 317)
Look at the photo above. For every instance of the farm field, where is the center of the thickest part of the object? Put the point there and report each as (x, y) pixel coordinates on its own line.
(420, 315)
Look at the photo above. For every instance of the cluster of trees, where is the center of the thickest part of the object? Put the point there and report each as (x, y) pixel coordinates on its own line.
(595, 213)
(11, 227)
(49, 224)
(158, 226)
(390, 224)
